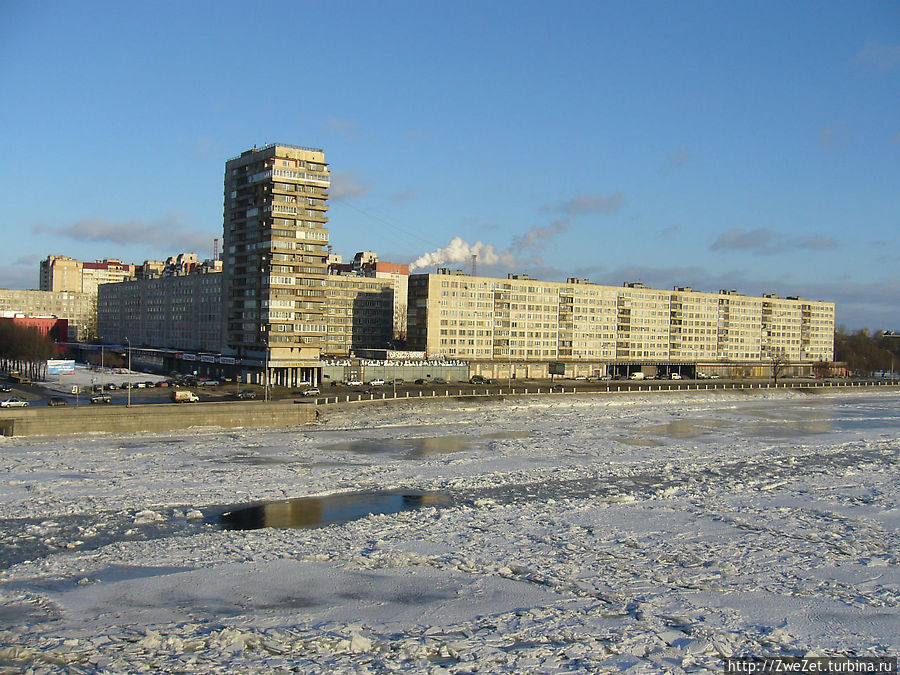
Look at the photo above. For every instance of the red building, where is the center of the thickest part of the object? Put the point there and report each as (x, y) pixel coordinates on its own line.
(57, 329)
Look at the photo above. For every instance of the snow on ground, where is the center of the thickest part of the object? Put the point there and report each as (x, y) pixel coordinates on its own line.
(85, 376)
(641, 532)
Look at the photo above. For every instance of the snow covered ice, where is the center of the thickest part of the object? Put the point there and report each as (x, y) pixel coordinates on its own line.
(640, 532)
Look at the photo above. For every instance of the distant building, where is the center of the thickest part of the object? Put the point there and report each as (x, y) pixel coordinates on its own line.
(359, 314)
(180, 308)
(61, 273)
(366, 264)
(78, 309)
(520, 325)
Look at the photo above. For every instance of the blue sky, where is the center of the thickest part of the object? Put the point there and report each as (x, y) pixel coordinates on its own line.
(744, 145)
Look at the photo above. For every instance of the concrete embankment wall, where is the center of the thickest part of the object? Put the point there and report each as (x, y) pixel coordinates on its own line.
(40, 421)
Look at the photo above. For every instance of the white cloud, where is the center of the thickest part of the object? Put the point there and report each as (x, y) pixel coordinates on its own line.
(166, 233)
(765, 241)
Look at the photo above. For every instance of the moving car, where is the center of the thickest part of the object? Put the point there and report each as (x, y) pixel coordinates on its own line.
(101, 398)
(244, 395)
(479, 379)
(57, 401)
(14, 402)
(353, 383)
(377, 382)
(312, 391)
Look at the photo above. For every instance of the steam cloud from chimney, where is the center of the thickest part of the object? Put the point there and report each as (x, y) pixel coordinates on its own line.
(529, 244)
(459, 251)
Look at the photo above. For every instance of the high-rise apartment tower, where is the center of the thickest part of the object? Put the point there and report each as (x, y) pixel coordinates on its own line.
(274, 271)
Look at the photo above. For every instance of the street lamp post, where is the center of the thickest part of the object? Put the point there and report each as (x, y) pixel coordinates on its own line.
(128, 342)
(267, 376)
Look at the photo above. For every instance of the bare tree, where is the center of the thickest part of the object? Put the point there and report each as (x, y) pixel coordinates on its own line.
(779, 363)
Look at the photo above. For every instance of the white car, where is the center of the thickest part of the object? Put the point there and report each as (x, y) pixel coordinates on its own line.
(14, 402)
(353, 383)
(377, 382)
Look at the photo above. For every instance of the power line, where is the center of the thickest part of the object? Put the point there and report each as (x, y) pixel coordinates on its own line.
(403, 231)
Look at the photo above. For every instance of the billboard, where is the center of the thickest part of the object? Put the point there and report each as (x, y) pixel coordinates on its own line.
(60, 367)
(557, 368)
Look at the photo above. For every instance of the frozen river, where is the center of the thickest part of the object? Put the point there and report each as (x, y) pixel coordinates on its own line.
(568, 534)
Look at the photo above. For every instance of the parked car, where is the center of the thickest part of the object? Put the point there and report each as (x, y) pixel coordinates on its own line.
(112, 386)
(439, 380)
(377, 382)
(605, 378)
(57, 401)
(420, 381)
(101, 398)
(637, 376)
(5, 389)
(244, 395)
(479, 379)
(312, 391)
(354, 383)
(14, 402)
(675, 376)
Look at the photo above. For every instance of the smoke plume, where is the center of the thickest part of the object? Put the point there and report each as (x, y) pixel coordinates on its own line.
(459, 251)
(525, 249)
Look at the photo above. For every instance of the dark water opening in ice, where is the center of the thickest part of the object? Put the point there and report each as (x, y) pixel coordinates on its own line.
(415, 447)
(317, 511)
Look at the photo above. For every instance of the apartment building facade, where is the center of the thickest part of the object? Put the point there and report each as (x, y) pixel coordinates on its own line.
(79, 309)
(359, 314)
(61, 273)
(274, 271)
(600, 329)
(180, 309)
(366, 264)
